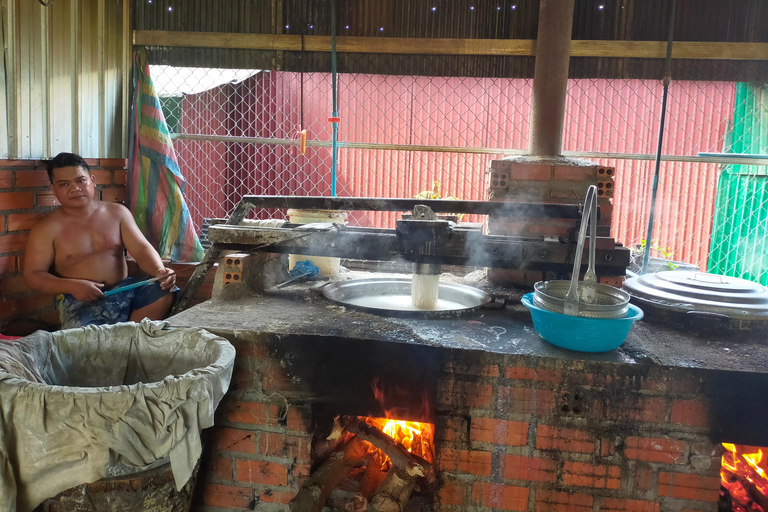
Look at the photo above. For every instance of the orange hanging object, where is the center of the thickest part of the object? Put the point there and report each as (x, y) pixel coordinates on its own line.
(303, 142)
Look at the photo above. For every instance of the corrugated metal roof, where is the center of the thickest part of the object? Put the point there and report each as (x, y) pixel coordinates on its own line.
(639, 20)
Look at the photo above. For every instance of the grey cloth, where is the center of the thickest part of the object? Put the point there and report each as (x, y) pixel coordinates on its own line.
(76, 404)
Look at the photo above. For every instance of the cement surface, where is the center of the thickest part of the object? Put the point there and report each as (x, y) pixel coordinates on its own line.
(301, 311)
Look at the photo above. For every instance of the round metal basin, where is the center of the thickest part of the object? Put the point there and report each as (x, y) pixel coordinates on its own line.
(392, 297)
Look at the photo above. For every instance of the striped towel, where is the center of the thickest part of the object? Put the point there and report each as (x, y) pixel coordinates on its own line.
(155, 183)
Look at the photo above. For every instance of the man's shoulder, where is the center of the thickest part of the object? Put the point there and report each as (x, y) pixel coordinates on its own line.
(114, 209)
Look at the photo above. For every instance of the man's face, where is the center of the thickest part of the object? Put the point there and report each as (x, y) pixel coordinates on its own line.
(73, 186)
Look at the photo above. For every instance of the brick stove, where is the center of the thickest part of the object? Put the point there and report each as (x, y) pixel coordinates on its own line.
(519, 425)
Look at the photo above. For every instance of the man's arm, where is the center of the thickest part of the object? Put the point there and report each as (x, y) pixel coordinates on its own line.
(142, 251)
(38, 261)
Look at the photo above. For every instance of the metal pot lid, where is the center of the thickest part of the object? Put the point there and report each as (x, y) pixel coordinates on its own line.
(696, 291)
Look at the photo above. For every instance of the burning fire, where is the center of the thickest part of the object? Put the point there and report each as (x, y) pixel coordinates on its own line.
(744, 473)
(414, 436)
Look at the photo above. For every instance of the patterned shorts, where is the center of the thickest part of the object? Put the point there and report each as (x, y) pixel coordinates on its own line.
(109, 310)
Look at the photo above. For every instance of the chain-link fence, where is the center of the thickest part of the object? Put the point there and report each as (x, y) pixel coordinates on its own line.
(405, 134)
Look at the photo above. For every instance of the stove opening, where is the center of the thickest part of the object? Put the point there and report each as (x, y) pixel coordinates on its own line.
(378, 462)
(744, 478)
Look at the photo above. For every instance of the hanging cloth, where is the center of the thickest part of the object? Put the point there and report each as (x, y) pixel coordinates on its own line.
(155, 183)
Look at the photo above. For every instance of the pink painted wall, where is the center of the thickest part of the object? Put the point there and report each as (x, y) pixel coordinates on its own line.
(601, 115)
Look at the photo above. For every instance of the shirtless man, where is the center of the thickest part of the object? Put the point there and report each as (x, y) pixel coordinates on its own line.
(77, 251)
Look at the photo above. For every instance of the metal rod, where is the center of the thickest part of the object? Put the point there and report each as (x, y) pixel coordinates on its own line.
(500, 208)
(335, 114)
(704, 158)
(655, 186)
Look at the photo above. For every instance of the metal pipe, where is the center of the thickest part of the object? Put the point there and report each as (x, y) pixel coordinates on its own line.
(335, 114)
(704, 158)
(655, 186)
(550, 77)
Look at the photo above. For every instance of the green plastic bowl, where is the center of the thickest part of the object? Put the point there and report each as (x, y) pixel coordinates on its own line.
(580, 333)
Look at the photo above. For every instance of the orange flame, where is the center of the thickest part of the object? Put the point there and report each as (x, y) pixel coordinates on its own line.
(744, 473)
(416, 437)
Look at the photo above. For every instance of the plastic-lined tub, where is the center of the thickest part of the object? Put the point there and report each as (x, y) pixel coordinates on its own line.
(581, 334)
(102, 401)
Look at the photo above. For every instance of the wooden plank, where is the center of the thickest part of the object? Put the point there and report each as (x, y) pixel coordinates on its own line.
(423, 46)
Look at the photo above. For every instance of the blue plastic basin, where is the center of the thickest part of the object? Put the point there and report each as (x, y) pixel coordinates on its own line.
(580, 333)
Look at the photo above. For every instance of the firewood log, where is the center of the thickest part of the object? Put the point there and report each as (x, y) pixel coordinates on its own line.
(400, 457)
(395, 491)
(314, 492)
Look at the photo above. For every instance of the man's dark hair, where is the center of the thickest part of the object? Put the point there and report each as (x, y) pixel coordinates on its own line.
(66, 160)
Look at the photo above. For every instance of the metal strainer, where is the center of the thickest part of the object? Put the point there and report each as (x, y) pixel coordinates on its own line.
(590, 298)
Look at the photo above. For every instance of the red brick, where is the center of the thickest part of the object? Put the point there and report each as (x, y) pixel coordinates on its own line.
(525, 400)
(297, 421)
(222, 468)
(642, 480)
(13, 164)
(120, 177)
(12, 242)
(591, 475)
(275, 496)
(300, 470)
(672, 383)
(555, 501)
(12, 285)
(467, 394)
(23, 221)
(252, 413)
(6, 179)
(502, 497)
(102, 177)
(530, 172)
(530, 469)
(113, 195)
(279, 445)
(634, 407)
(257, 352)
(617, 505)
(452, 493)
(235, 440)
(607, 447)
(481, 370)
(689, 412)
(226, 496)
(26, 178)
(92, 162)
(260, 472)
(540, 374)
(573, 173)
(467, 461)
(45, 199)
(689, 487)
(2, 224)
(112, 162)
(667, 451)
(276, 378)
(16, 200)
(7, 265)
(452, 428)
(564, 439)
(490, 430)
(9, 308)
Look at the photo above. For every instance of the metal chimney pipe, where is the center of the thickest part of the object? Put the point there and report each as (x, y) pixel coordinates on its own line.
(550, 77)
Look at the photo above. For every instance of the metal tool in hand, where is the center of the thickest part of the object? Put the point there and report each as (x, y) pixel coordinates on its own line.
(131, 286)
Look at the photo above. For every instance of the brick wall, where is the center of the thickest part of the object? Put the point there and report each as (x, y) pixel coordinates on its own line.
(25, 197)
(512, 433)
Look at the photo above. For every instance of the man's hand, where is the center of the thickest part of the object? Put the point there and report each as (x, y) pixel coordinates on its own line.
(86, 291)
(167, 278)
